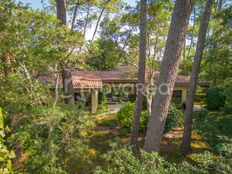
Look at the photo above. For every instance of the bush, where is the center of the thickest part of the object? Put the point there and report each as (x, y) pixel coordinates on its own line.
(53, 138)
(125, 115)
(122, 161)
(200, 116)
(174, 118)
(5, 155)
(215, 98)
(227, 91)
(213, 127)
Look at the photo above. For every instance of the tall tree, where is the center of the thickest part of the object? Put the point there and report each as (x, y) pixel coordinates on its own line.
(74, 15)
(66, 74)
(186, 143)
(141, 76)
(168, 73)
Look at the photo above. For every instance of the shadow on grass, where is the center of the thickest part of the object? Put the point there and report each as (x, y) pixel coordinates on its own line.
(98, 141)
(171, 146)
(104, 133)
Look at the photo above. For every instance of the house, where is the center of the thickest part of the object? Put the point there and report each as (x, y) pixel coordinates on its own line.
(119, 85)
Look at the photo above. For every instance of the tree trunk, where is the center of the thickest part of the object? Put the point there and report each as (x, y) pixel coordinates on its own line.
(168, 73)
(184, 50)
(219, 5)
(6, 60)
(66, 74)
(98, 22)
(186, 143)
(86, 24)
(149, 88)
(192, 36)
(61, 11)
(74, 15)
(86, 20)
(141, 77)
(149, 105)
(68, 86)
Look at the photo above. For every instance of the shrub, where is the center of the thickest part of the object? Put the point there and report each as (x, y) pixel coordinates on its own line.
(15, 96)
(174, 118)
(122, 161)
(225, 148)
(5, 154)
(125, 115)
(213, 127)
(227, 91)
(215, 98)
(200, 116)
(104, 102)
(55, 138)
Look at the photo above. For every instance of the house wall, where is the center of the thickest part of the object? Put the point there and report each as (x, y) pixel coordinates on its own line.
(94, 92)
(183, 89)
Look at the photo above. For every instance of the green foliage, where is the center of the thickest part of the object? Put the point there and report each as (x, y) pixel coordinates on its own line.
(125, 115)
(213, 127)
(122, 161)
(6, 155)
(225, 148)
(200, 116)
(104, 102)
(215, 98)
(20, 93)
(227, 91)
(52, 137)
(103, 55)
(173, 119)
(216, 127)
(34, 40)
(218, 65)
(54, 140)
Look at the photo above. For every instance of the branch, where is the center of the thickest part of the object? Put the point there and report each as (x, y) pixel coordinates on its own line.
(131, 62)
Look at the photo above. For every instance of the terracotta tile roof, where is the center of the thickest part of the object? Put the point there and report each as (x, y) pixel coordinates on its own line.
(105, 76)
(95, 79)
(124, 68)
(122, 76)
(78, 82)
(179, 79)
(81, 83)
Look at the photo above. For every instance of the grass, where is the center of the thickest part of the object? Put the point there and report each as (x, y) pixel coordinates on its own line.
(105, 132)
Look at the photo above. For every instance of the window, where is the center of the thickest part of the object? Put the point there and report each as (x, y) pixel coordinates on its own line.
(176, 96)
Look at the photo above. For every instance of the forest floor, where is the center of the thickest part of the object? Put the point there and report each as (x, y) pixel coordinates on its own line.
(105, 132)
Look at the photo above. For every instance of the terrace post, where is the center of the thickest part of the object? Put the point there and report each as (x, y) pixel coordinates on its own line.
(183, 95)
(94, 100)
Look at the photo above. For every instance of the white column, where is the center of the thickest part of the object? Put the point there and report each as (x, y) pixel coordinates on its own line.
(184, 95)
(94, 101)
